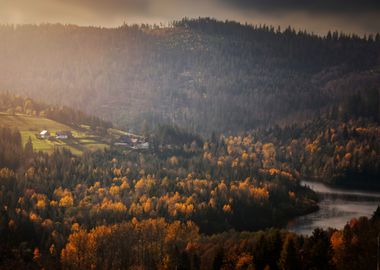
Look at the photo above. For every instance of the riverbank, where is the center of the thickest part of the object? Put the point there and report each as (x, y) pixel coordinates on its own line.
(354, 181)
(336, 207)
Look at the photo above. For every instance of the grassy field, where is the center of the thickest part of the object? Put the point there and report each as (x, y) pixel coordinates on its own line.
(29, 126)
(118, 132)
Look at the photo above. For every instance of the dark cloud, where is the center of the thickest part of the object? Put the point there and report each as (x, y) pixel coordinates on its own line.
(330, 6)
(319, 16)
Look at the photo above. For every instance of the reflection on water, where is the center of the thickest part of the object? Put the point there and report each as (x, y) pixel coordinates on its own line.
(337, 207)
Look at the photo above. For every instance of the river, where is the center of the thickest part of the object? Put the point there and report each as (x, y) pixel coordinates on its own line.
(337, 207)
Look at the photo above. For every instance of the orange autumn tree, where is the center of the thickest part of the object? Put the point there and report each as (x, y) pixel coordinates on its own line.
(151, 243)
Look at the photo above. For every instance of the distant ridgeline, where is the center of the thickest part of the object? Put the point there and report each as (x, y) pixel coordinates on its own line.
(12, 104)
(202, 75)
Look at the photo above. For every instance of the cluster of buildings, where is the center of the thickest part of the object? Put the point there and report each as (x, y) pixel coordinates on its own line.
(60, 135)
(133, 142)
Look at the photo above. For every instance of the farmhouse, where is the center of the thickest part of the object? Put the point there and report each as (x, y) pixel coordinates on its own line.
(133, 142)
(44, 134)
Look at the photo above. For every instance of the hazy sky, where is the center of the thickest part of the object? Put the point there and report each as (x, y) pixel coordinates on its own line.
(360, 16)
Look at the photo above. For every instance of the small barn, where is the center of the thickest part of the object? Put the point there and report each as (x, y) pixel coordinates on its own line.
(63, 135)
(144, 146)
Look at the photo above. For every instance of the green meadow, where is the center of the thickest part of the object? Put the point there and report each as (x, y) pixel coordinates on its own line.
(31, 126)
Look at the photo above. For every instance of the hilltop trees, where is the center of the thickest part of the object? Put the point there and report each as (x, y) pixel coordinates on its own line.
(13, 104)
(200, 74)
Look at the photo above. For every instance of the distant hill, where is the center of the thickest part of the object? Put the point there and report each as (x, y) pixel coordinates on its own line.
(31, 126)
(202, 75)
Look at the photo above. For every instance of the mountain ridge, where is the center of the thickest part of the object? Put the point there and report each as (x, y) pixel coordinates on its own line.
(202, 75)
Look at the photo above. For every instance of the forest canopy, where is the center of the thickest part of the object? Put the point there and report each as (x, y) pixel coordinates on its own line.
(205, 131)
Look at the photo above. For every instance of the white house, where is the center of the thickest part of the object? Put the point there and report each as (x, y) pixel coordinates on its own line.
(44, 134)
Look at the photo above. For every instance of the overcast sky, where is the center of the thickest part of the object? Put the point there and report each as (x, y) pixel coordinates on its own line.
(359, 16)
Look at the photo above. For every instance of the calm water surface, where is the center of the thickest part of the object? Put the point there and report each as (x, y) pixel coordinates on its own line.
(337, 207)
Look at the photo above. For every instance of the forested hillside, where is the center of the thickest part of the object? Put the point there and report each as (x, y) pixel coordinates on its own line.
(185, 202)
(202, 75)
(45, 197)
(343, 153)
(107, 210)
(233, 118)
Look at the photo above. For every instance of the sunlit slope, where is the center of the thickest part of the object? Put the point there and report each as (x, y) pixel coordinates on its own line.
(202, 75)
(30, 126)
